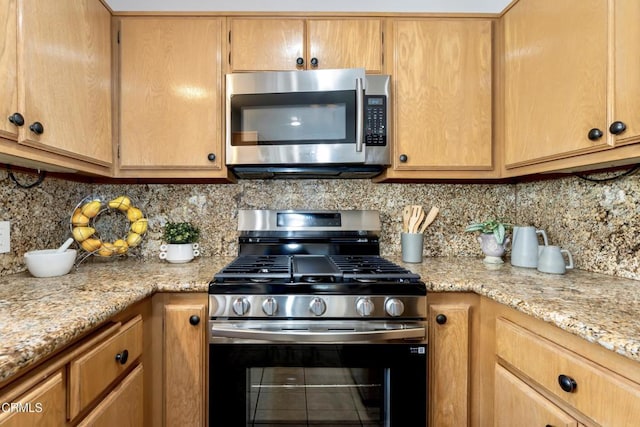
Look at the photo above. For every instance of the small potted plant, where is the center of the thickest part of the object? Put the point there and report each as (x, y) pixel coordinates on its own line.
(492, 238)
(180, 238)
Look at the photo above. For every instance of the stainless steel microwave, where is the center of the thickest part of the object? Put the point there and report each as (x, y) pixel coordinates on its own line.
(307, 124)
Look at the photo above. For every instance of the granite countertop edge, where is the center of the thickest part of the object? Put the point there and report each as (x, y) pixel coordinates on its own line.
(39, 317)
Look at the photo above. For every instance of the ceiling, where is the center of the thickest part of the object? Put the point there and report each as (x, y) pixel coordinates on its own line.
(430, 6)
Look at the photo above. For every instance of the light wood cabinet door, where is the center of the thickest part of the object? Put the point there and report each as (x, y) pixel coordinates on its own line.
(8, 67)
(599, 393)
(555, 79)
(516, 404)
(185, 342)
(42, 406)
(345, 43)
(170, 110)
(266, 44)
(442, 72)
(449, 375)
(123, 406)
(274, 44)
(93, 372)
(64, 78)
(627, 63)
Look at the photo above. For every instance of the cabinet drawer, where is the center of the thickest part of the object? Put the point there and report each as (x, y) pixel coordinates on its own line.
(122, 407)
(517, 404)
(43, 405)
(600, 394)
(93, 372)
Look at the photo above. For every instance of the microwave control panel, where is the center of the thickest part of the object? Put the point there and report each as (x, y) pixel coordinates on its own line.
(375, 120)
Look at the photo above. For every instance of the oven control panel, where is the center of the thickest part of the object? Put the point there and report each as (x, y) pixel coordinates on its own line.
(317, 306)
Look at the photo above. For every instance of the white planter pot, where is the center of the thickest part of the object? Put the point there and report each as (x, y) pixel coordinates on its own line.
(179, 253)
(493, 250)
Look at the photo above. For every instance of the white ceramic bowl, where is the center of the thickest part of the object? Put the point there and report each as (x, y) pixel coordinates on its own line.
(49, 263)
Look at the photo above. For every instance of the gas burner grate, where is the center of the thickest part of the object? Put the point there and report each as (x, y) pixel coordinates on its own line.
(370, 268)
(256, 268)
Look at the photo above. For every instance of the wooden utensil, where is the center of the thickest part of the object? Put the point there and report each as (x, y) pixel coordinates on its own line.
(419, 221)
(430, 217)
(416, 210)
(406, 214)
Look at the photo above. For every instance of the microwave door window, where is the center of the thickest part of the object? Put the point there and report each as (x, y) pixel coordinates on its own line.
(281, 119)
(296, 123)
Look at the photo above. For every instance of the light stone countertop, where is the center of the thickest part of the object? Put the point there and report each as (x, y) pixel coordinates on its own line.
(40, 316)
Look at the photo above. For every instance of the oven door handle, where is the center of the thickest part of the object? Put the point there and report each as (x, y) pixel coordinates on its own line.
(318, 336)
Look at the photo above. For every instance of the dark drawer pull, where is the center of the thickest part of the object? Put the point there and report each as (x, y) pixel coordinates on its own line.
(122, 357)
(567, 384)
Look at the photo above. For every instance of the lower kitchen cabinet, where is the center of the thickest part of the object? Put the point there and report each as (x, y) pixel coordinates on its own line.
(490, 364)
(97, 381)
(517, 404)
(453, 324)
(92, 372)
(44, 404)
(546, 376)
(181, 329)
(123, 406)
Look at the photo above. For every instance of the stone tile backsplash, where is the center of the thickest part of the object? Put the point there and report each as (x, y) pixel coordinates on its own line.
(599, 223)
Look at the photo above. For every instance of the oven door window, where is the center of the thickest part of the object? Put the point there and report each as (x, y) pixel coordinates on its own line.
(324, 396)
(317, 385)
(293, 118)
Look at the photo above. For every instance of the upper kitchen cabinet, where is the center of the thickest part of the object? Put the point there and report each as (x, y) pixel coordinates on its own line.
(9, 66)
(273, 44)
(442, 83)
(570, 85)
(55, 99)
(170, 110)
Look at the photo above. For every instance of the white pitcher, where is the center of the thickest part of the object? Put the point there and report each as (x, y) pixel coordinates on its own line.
(524, 246)
(551, 260)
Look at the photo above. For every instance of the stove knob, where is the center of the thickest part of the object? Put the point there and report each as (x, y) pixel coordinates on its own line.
(270, 306)
(241, 306)
(317, 306)
(394, 307)
(364, 307)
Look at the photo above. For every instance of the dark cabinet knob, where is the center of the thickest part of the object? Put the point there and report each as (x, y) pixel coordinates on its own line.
(194, 320)
(16, 119)
(314, 62)
(441, 319)
(567, 384)
(403, 158)
(595, 134)
(300, 62)
(37, 128)
(617, 128)
(211, 157)
(122, 357)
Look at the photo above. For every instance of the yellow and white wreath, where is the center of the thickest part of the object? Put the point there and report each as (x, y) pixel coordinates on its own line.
(84, 231)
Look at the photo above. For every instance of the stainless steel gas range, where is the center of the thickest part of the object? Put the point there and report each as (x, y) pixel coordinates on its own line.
(309, 325)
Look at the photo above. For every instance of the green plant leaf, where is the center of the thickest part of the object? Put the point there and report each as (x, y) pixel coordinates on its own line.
(181, 232)
(499, 233)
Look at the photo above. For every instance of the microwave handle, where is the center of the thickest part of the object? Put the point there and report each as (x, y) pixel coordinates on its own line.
(359, 115)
